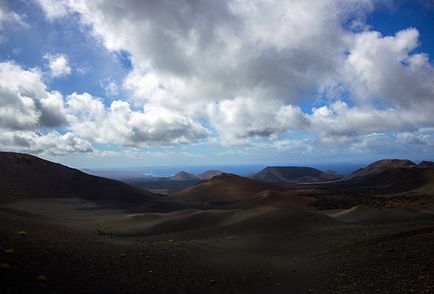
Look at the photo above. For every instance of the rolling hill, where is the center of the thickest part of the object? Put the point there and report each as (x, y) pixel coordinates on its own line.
(393, 176)
(186, 176)
(285, 174)
(381, 172)
(225, 187)
(24, 176)
(209, 174)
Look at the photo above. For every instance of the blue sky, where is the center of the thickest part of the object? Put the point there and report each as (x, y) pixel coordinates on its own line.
(111, 84)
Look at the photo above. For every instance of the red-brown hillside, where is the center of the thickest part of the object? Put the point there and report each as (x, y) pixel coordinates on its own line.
(225, 187)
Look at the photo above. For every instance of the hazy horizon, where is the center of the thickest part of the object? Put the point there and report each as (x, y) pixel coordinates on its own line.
(239, 169)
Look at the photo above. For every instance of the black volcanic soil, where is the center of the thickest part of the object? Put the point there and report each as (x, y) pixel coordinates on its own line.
(274, 251)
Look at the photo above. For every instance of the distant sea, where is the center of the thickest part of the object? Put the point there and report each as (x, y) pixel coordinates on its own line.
(242, 170)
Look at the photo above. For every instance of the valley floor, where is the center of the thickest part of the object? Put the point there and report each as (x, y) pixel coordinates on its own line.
(73, 248)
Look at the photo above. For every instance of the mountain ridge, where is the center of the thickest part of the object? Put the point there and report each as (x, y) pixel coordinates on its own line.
(25, 176)
(224, 187)
(285, 174)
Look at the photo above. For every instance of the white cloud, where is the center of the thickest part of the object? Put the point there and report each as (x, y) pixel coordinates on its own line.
(51, 143)
(120, 124)
(110, 87)
(189, 53)
(341, 122)
(242, 118)
(398, 143)
(26, 106)
(25, 101)
(58, 65)
(295, 146)
(237, 69)
(53, 8)
(386, 67)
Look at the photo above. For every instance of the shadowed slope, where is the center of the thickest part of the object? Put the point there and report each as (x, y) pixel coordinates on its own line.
(282, 174)
(419, 180)
(426, 163)
(395, 175)
(395, 166)
(25, 176)
(362, 214)
(278, 199)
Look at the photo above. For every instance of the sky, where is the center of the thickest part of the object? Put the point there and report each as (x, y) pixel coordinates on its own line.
(109, 83)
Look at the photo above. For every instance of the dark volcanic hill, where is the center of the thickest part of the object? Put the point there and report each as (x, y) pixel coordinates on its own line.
(381, 172)
(24, 176)
(284, 174)
(209, 174)
(394, 176)
(419, 180)
(426, 163)
(184, 176)
(225, 187)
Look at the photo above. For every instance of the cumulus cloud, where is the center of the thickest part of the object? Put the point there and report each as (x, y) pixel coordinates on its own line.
(216, 51)
(386, 67)
(119, 124)
(397, 143)
(26, 106)
(110, 87)
(242, 118)
(51, 143)
(341, 122)
(381, 70)
(58, 65)
(237, 69)
(53, 8)
(25, 102)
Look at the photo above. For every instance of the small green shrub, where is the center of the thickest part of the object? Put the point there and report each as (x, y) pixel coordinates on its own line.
(5, 266)
(9, 251)
(103, 230)
(22, 233)
(122, 255)
(41, 278)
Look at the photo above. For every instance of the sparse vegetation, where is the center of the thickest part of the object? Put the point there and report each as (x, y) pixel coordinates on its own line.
(41, 278)
(22, 233)
(103, 230)
(5, 265)
(9, 251)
